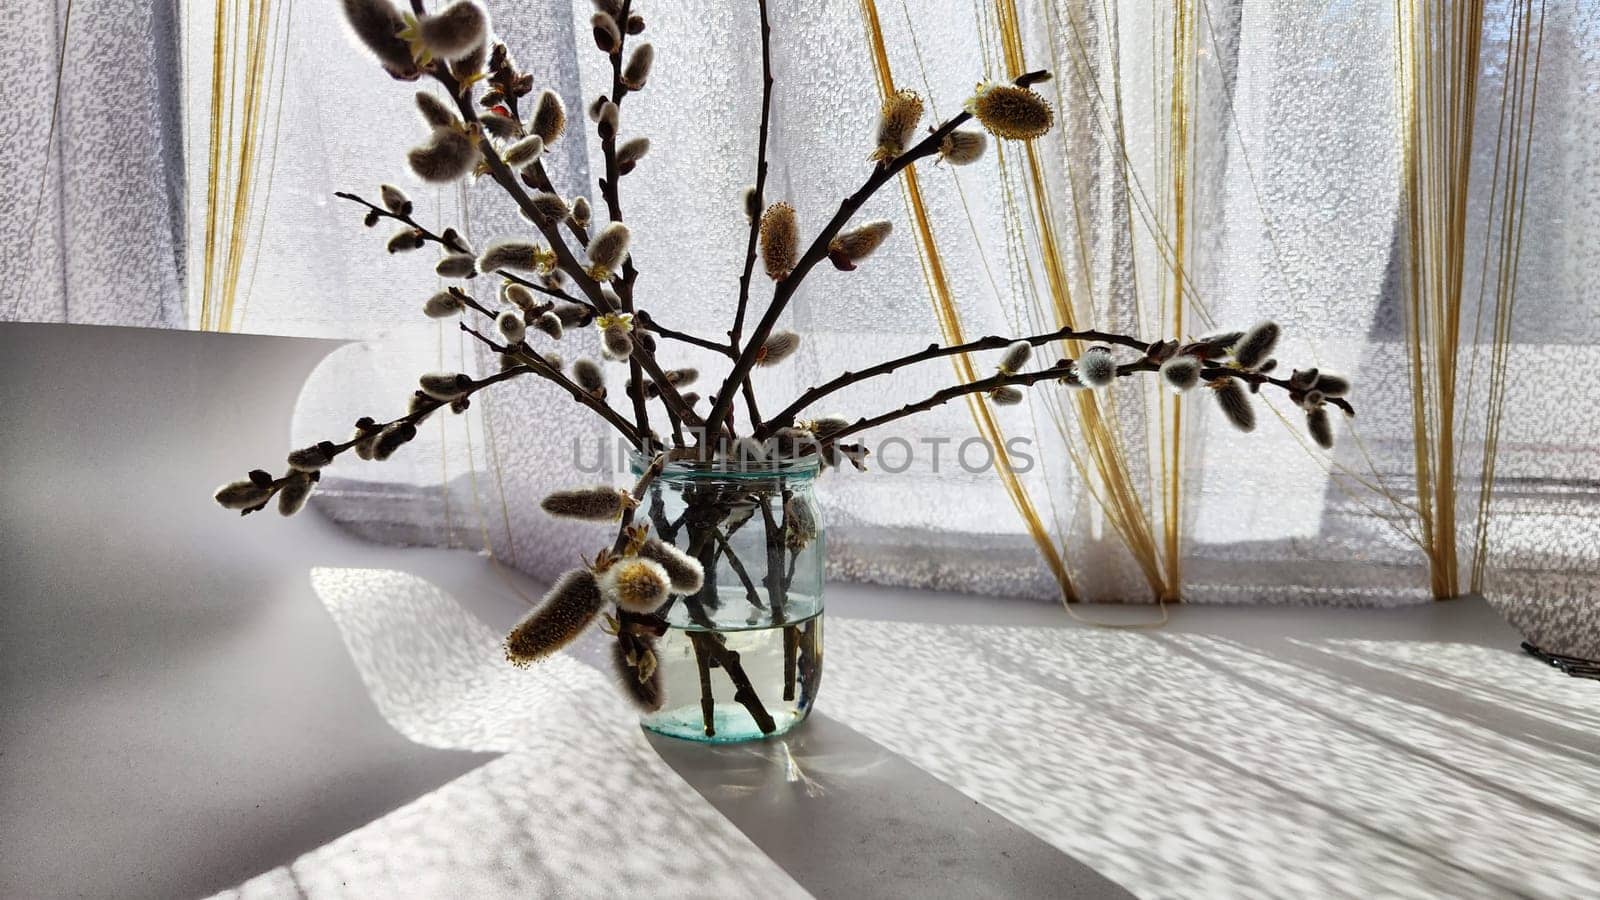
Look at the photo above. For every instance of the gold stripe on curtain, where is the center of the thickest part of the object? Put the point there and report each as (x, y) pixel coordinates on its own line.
(1103, 444)
(244, 78)
(950, 326)
(1439, 66)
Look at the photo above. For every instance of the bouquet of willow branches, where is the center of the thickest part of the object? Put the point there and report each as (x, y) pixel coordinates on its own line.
(572, 269)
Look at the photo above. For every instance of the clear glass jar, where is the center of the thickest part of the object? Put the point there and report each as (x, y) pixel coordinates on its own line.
(741, 659)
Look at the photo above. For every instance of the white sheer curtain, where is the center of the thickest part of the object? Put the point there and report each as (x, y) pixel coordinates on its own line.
(91, 171)
(1293, 212)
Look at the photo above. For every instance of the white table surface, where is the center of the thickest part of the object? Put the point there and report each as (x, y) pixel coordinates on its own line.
(192, 705)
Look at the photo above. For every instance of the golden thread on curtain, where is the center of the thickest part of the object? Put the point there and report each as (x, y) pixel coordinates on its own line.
(1439, 62)
(950, 327)
(241, 80)
(1519, 152)
(1122, 504)
(280, 53)
(1180, 154)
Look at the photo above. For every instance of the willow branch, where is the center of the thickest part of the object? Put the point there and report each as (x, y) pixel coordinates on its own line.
(454, 245)
(644, 320)
(422, 411)
(533, 362)
(1059, 370)
(568, 263)
(818, 251)
(935, 351)
(639, 488)
(759, 202)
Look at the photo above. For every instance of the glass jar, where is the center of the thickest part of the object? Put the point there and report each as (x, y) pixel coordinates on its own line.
(740, 659)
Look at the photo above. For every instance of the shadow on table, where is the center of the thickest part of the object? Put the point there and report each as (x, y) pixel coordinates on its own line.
(844, 815)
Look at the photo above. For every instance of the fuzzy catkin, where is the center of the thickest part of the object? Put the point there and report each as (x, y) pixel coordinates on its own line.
(636, 584)
(394, 200)
(963, 146)
(637, 71)
(549, 118)
(310, 459)
(293, 495)
(779, 346)
(1234, 401)
(827, 425)
(524, 152)
(780, 240)
(434, 111)
(607, 36)
(444, 385)
(571, 314)
(800, 525)
(1011, 112)
(1096, 368)
(1320, 427)
(520, 296)
(511, 326)
(241, 495)
(392, 439)
(1006, 395)
(551, 206)
(631, 151)
(616, 342)
(455, 31)
(549, 323)
(448, 155)
(377, 25)
(607, 119)
(1333, 385)
(1256, 346)
(464, 67)
(609, 245)
(503, 127)
(1016, 356)
(442, 305)
(897, 124)
(857, 243)
(1181, 373)
(685, 573)
(589, 376)
(366, 442)
(409, 239)
(580, 212)
(565, 612)
(514, 255)
(596, 504)
(457, 265)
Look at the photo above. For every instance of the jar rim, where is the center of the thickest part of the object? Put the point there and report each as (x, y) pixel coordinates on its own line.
(802, 467)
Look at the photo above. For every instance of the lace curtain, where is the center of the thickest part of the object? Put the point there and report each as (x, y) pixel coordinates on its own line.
(1273, 133)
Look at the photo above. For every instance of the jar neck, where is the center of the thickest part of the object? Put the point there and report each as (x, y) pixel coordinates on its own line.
(789, 471)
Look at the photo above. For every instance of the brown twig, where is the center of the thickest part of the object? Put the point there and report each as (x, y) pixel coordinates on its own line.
(455, 245)
(935, 351)
(818, 251)
(646, 478)
(503, 176)
(708, 703)
(643, 319)
(759, 202)
(533, 362)
(1059, 370)
(423, 411)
